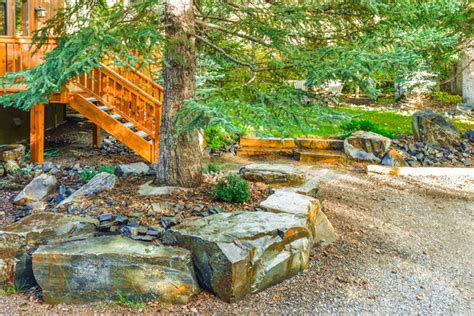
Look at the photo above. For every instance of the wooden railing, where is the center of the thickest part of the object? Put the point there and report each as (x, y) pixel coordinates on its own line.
(16, 53)
(123, 97)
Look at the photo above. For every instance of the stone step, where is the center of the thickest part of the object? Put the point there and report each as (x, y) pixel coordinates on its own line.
(264, 151)
(103, 268)
(291, 143)
(320, 156)
(104, 108)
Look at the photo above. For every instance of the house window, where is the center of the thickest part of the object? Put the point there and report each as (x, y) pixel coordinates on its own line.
(21, 18)
(3, 17)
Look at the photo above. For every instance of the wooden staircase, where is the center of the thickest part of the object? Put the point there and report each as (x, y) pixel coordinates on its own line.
(127, 105)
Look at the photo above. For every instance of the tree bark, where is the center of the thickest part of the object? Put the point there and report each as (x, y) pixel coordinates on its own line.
(179, 162)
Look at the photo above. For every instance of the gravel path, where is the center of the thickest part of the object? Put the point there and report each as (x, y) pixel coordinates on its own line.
(405, 246)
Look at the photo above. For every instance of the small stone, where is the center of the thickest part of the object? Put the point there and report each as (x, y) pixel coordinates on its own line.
(105, 217)
(155, 232)
(12, 167)
(168, 222)
(469, 135)
(2, 170)
(121, 219)
(142, 230)
(15, 152)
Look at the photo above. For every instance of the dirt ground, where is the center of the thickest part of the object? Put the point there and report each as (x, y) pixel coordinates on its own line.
(405, 246)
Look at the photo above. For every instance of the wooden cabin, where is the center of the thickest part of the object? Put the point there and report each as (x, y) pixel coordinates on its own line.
(122, 101)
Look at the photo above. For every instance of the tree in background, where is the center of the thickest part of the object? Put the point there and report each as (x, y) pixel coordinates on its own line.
(246, 53)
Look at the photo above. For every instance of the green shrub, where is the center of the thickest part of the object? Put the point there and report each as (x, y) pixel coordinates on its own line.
(89, 173)
(107, 168)
(445, 97)
(211, 168)
(232, 189)
(218, 137)
(364, 125)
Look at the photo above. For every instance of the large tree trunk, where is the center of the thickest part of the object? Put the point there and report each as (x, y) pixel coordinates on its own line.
(179, 161)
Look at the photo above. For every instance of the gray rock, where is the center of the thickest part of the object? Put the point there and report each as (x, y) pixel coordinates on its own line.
(19, 240)
(393, 158)
(433, 128)
(469, 135)
(14, 152)
(102, 268)
(273, 174)
(38, 189)
(49, 167)
(306, 207)
(310, 188)
(132, 170)
(148, 189)
(244, 252)
(102, 181)
(366, 146)
(12, 167)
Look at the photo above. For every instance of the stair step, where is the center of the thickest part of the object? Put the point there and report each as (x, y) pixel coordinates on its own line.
(265, 151)
(320, 156)
(118, 117)
(104, 108)
(142, 134)
(92, 100)
(129, 125)
(289, 143)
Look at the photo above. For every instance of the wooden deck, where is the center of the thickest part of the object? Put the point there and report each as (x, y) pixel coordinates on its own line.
(120, 100)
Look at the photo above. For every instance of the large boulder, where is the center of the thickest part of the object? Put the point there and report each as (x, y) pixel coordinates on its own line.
(244, 252)
(279, 174)
(433, 128)
(102, 268)
(102, 181)
(132, 170)
(20, 239)
(306, 207)
(38, 189)
(366, 146)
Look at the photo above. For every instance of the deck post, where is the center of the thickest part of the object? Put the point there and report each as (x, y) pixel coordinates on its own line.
(37, 134)
(95, 136)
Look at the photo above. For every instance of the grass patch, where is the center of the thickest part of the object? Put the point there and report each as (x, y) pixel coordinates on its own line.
(89, 173)
(211, 167)
(129, 301)
(9, 290)
(232, 189)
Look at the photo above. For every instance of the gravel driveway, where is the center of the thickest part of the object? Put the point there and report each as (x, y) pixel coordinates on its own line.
(405, 246)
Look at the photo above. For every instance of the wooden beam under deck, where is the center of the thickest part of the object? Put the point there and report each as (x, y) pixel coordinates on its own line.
(37, 134)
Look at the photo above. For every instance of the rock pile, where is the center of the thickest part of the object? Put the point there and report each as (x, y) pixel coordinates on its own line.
(417, 154)
(110, 145)
(11, 158)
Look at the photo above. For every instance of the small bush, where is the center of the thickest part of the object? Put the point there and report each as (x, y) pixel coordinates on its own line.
(232, 189)
(89, 173)
(445, 97)
(364, 125)
(218, 137)
(211, 168)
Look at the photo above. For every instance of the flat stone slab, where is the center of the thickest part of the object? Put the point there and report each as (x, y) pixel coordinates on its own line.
(308, 208)
(38, 189)
(20, 239)
(273, 174)
(148, 189)
(102, 181)
(309, 188)
(244, 252)
(102, 268)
